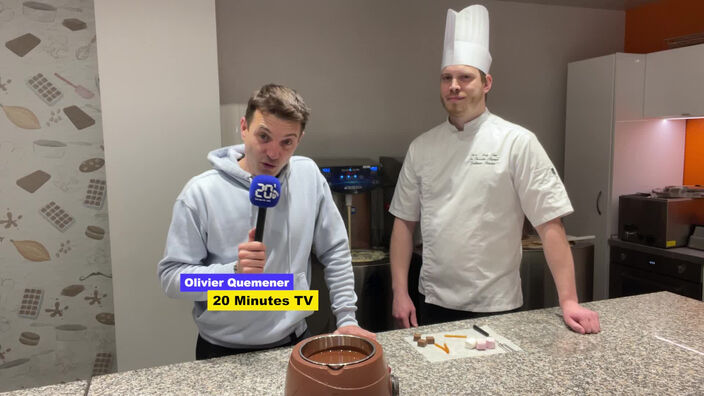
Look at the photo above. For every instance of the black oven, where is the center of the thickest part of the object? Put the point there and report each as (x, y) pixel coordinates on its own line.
(636, 272)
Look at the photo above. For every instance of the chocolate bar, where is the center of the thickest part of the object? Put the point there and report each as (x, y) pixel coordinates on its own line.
(23, 44)
(33, 181)
(78, 117)
(31, 303)
(58, 217)
(95, 194)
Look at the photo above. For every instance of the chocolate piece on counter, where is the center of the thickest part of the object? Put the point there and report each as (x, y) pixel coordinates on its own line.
(422, 343)
(72, 291)
(430, 340)
(74, 24)
(416, 336)
(29, 338)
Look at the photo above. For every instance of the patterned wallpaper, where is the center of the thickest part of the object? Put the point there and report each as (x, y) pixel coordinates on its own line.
(56, 307)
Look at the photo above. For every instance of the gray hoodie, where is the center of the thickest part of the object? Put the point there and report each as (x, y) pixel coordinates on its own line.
(213, 215)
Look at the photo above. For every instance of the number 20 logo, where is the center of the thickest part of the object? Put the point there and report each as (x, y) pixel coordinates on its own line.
(266, 191)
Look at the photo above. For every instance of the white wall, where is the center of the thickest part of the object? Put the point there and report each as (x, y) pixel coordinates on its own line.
(159, 84)
(230, 115)
(648, 154)
(370, 69)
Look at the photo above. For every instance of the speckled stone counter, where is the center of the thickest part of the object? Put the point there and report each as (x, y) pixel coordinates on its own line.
(71, 388)
(625, 358)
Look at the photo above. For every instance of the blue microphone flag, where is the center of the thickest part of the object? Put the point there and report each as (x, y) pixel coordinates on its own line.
(264, 191)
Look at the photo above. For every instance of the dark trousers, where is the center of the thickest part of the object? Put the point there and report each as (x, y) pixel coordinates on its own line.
(431, 314)
(207, 350)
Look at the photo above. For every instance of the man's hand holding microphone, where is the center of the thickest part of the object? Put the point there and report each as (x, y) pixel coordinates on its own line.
(264, 193)
(251, 256)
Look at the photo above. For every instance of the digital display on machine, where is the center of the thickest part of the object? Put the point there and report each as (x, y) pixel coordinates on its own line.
(351, 178)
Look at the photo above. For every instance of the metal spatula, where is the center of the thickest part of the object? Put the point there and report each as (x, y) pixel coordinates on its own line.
(80, 89)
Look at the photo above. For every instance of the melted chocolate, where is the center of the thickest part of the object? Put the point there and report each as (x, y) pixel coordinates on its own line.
(338, 355)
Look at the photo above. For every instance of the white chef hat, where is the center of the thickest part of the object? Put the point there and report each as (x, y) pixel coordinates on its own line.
(467, 38)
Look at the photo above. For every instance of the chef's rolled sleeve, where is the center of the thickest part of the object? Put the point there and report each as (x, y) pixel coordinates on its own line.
(406, 201)
(542, 194)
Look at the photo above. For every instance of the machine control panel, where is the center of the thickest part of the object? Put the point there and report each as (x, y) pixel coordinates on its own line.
(350, 175)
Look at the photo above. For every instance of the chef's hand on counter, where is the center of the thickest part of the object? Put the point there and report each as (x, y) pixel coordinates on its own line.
(580, 319)
(403, 311)
(356, 331)
(559, 257)
(251, 256)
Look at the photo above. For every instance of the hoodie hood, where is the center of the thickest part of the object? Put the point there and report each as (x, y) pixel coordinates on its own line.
(225, 160)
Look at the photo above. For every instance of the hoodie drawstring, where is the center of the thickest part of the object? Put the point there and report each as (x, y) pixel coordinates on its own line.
(288, 222)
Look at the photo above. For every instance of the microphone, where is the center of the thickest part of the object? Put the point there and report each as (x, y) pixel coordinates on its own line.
(264, 192)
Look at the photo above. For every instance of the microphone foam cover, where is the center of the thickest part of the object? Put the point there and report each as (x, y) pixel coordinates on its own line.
(264, 191)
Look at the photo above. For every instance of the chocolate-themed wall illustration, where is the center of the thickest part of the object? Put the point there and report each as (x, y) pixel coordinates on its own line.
(56, 307)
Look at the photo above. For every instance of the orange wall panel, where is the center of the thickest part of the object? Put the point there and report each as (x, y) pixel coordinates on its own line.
(694, 152)
(648, 26)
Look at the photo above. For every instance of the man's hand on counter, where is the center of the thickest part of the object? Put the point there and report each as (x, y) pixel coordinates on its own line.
(580, 319)
(356, 331)
(403, 311)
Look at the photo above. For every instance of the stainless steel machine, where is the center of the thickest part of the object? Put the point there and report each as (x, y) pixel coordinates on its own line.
(355, 184)
(664, 218)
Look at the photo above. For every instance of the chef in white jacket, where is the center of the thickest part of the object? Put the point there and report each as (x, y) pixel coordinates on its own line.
(470, 181)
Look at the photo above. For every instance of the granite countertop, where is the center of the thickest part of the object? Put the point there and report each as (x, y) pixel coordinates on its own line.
(70, 388)
(680, 253)
(626, 357)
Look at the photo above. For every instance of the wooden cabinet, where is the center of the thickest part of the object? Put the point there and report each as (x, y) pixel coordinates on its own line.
(610, 150)
(674, 83)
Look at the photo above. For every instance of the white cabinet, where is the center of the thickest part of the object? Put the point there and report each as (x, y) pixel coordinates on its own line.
(674, 83)
(610, 150)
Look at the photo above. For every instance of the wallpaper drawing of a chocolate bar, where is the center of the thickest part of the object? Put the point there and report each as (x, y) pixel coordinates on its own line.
(51, 161)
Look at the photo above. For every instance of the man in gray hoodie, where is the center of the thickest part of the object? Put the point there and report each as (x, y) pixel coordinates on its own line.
(212, 231)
